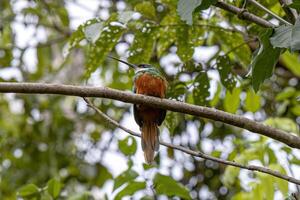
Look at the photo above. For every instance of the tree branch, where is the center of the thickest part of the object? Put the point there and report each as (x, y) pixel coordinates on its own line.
(260, 6)
(197, 153)
(176, 106)
(244, 14)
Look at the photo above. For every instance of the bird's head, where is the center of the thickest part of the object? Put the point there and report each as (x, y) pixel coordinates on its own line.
(141, 68)
(136, 67)
(124, 62)
(144, 66)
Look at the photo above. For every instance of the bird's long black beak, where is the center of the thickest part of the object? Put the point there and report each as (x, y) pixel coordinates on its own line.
(122, 61)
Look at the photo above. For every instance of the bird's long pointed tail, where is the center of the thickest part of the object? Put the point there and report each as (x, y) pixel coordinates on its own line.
(150, 140)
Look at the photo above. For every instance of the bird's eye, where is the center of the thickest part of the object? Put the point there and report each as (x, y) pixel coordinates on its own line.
(143, 65)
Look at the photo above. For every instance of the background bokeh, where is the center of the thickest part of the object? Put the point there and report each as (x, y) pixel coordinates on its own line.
(58, 138)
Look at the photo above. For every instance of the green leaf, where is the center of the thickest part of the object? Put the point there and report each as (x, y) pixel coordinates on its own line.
(77, 36)
(255, 151)
(224, 67)
(54, 187)
(93, 31)
(282, 36)
(44, 58)
(252, 102)
(185, 9)
(287, 150)
(285, 94)
(80, 196)
(31, 11)
(108, 38)
(166, 34)
(257, 191)
(267, 184)
(206, 4)
(28, 190)
(147, 9)
(45, 196)
(128, 146)
(128, 175)
(296, 110)
(282, 123)
(287, 36)
(216, 97)
(271, 156)
(183, 40)
(177, 90)
(282, 107)
(168, 186)
(201, 90)
(103, 175)
(216, 153)
(196, 36)
(130, 189)
(295, 42)
(235, 44)
(230, 176)
(292, 62)
(242, 196)
(147, 198)
(63, 16)
(295, 4)
(172, 121)
(125, 17)
(142, 48)
(147, 166)
(294, 160)
(6, 55)
(232, 100)
(282, 185)
(264, 61)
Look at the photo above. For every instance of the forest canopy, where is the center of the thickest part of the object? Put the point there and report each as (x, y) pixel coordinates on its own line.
(233, 99)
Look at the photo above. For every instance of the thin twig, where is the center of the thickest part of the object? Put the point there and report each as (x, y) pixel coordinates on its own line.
(292, 173)
(176, 106)
(231, 50)
(244, 14)
(53, 21)
(197, 153)
(240, 45)
(208, 26)
(260, 6)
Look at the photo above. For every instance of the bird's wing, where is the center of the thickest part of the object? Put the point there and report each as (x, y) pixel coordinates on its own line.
(136, 115)
(162, 116)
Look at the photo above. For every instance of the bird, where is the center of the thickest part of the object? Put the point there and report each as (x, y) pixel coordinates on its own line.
(148, 80)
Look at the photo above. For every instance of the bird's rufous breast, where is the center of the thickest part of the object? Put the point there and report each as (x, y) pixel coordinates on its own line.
(148, 84)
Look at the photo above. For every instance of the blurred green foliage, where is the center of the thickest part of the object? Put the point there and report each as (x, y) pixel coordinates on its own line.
(54, 147)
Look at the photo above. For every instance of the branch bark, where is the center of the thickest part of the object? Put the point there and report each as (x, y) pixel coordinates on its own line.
(197, 153)
(176, 106)
(260, 6)
(244, 14)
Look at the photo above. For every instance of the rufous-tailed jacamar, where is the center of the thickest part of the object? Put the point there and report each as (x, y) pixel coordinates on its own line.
(148, 81)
